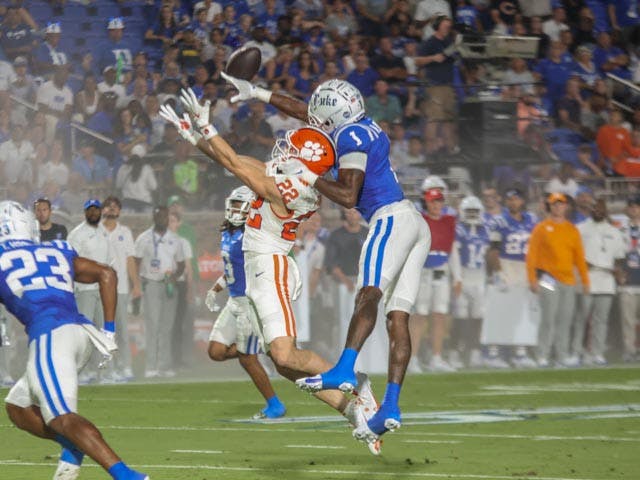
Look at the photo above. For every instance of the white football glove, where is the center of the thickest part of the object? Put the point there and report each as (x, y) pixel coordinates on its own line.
(246, 90)
(199, 113)
(210, 300)
(183, 125)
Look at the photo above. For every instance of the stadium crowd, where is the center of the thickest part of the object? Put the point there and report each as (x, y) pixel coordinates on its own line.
(81, 85)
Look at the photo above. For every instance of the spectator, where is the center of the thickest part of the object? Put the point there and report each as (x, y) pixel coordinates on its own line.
(535, 30)
(553, 72)
(371, 16)
(555, 251)
(389, 66)
(164, 31)
(55, 100)
(615, 146)
(555, 24)
(87, 99)
(160, 260)
(427, 11)
(570, 106)
(609, 58)
(152, 110)
(73, 197)
(55, 169)
(563, 182)
(301, 76)
(109, 84)
(604, 251)
(518, 79)
(629, 280)
(213, 10)
(137, 182)
(15, 157)
(624, 17)
(90, 240)
(383, 106)
(23, 87)
(127, 135)
(277, 69)
(363, 76)
(183, 173)
(585, 166)
(188, 51)
(340, 22)
(102, 121)
(313, 9)
(15, 35)
(94, 169)
(329, 54)
(585, 69)
(255, 137)
(115, 50)
(584, 28)
(48, 230)
(467, 15)
(47, 55)
(440, 105)
(120, 241)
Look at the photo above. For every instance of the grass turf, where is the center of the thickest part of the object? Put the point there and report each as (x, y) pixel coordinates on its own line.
(552, 424)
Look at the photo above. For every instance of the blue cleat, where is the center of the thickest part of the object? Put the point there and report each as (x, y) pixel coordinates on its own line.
(386, 419)
(272, 411)
(330, 380)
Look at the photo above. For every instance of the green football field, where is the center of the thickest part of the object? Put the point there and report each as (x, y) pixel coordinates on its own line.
(552, 424)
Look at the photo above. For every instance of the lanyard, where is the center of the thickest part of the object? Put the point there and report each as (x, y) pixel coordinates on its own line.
(156, 244)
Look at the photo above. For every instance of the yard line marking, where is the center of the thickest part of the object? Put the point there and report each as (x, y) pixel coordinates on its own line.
(432, 441)
(196, 451)
(320, 472)
(172, 400)
(332, 431)
(330, 447)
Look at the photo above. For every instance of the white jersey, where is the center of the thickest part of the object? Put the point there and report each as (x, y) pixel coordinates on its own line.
(268, 233)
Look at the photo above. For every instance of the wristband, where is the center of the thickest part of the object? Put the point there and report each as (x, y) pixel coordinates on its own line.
(263, 94)
(209, 131)
(221, 282)
(110, 326)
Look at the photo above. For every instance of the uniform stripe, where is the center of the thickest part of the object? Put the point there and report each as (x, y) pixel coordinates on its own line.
(287, 296)
(383, 244)
(283, 303)
(54, 377)
(367, 257)
(43, 383)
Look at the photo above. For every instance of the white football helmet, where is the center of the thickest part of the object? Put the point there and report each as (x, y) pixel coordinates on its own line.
(236, 215)
(334, 103)
(17, 223)
(433, 181)
(471, 210)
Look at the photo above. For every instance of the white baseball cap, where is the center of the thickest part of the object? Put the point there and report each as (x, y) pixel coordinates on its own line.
(53, 27)
(115, 23)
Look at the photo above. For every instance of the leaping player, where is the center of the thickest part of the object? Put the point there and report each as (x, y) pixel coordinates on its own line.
(235, 333)
(283, 202)
(396, 246)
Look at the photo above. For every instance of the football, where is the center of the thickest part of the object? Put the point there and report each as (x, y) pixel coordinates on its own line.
(244, 63)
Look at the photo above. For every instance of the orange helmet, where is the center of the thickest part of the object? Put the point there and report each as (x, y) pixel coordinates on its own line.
(310, 145)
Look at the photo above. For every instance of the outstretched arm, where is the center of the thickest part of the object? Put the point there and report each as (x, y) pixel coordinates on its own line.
(246, 91)
(345, 190)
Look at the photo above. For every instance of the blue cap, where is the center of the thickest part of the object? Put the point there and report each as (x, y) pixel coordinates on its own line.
(92, 202)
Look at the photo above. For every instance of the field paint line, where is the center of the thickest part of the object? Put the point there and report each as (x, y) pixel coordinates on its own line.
(432, 441)
(367, 473)
(598, 438)
(171, 400)
(197, 451)
(328, 447)
(610, 415)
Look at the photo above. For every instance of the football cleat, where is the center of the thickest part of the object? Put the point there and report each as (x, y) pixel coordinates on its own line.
(66, 471)
(355, 413)
(330, 380)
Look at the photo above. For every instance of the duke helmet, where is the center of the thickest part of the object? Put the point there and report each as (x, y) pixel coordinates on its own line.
(471, 210)
(333, 104)
(17, 223)
(433, 181)
(236, 215)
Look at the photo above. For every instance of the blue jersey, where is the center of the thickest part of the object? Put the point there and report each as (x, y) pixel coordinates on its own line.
(233, 258)
(512, 234)
(36, 284)
(473, 243)
(381, 186)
